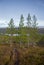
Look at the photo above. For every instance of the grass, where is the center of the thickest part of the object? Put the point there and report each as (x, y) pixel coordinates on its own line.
(27, 56)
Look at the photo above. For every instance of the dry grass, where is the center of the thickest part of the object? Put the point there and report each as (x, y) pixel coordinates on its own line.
(27, 56)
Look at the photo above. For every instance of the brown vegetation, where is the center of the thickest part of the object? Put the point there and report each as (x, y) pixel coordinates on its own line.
(16, 55)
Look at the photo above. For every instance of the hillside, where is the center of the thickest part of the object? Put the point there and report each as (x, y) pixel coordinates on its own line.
(40, 30)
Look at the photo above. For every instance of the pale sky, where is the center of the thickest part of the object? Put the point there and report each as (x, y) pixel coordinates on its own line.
(14, 8)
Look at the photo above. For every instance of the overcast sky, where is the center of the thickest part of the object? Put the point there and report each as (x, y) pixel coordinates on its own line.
(14, 8)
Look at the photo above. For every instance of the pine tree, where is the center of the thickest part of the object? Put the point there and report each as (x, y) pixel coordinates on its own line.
(28, 28)
(29, 21)
(34, 25)
(21, 28)
(11, 30)
(21, 24)
(11, 26)
(34, 31)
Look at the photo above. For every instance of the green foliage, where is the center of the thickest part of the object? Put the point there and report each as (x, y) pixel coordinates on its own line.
(29, 21)
(34, 34)
(34, 24)
(28, 28)
(21, 29)
(41, 41)
(21, 24)
(32, 30)
(11, 26)
(11, 23)
(4, 39)
(28, 34)
(11, 29)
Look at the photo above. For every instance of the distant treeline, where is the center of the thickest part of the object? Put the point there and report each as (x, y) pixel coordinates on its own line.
(3, 30)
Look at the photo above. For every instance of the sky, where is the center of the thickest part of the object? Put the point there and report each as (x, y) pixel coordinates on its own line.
(14, 8)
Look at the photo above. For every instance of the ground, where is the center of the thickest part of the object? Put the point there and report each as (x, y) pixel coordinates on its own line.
(16, 55)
